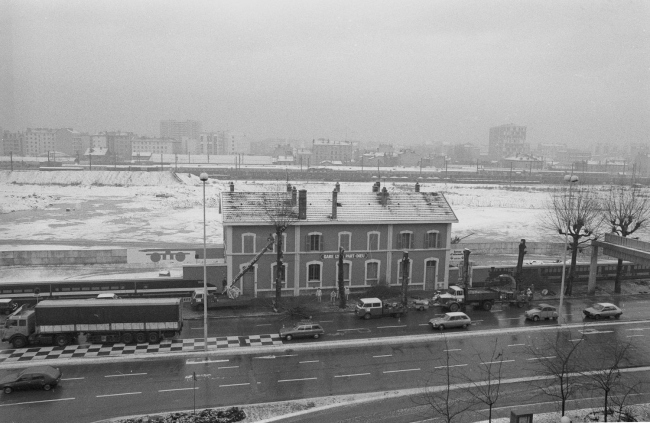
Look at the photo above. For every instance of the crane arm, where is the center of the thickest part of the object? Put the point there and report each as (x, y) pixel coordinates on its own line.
(252, 263)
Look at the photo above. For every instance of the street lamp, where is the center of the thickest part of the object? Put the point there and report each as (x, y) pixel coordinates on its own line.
(204, 179)
(570, 179)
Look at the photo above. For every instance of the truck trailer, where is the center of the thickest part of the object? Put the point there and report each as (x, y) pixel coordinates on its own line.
(61, 322)
(457, 298)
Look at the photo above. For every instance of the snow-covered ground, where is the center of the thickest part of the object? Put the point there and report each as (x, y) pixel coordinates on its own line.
(69, 209)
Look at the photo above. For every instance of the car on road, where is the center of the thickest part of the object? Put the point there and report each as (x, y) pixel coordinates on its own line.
(7, 306)
(304, 329)
(602, 310)
(37, 377)
(451, 320)
(542, 311)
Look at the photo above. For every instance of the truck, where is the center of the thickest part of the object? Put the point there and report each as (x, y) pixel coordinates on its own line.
(367, 308)
(456, 298)
(218, 301)
(61, 322)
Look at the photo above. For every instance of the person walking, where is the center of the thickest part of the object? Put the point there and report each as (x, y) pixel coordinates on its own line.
(347, 293)
(333, 296)
(319, 294)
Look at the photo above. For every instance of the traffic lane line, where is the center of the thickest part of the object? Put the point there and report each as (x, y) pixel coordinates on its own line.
(453, 365)
(117, 395)
(235, 384)
(388, 327)
(495, 362)
(402, 370)
(126, 374)
(297, 380)
(36, 402)
(74, 378)
(309, 361)
(385, 355)
(178, 389)
(353, 375)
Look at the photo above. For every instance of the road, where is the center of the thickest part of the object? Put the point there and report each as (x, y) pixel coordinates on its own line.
(308, 369)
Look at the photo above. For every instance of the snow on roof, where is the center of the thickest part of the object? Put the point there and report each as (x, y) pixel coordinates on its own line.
(354, 207)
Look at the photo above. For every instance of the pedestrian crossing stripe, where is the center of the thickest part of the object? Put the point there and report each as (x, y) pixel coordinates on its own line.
(115, 350)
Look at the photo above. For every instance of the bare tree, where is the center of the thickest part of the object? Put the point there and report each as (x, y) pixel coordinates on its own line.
(444, 401)
(619, 399)
(488, 388)
(607, 376)
(557, 359)
(281, 212)
(576, 216)
(625, 210)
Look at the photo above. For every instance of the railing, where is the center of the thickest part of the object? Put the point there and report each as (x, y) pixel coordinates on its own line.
(627, 242)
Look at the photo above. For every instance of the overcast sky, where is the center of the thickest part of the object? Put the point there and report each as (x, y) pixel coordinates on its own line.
(573, 72)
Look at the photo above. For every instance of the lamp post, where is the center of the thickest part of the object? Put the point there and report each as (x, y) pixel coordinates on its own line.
(570, 179)
(204, 179)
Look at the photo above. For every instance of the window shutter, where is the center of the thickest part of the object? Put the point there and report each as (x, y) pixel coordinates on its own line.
(321, 243)
(426, 240)
(399, 242)
(411, 241)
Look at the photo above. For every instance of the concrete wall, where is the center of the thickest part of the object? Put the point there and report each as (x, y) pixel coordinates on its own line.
(62, 257)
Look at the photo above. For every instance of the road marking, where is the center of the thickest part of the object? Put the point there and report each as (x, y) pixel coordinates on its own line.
(310, 361)
(297, 380)
(116, 395)
(228, 367)
(455, 349)
(638, 329)
(73, 378)
(276, 356)
(326, 321)
(345, 330)
(540, 358)
(234, 384)
(126, 374)
(576, 340)
(178, 389)
(358, 374)
(517, 345)
(633, 336)
(264, 324)
(455, 365)
(385, 355)
(424, 324)
(196, 328)
(386, 327)
(203, 361)
(404, 370)
(494, 362)
(36, 402)
(509, 318)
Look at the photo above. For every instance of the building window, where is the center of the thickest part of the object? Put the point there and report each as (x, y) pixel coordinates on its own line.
(405, 240)
(283, 274)
(314, 272)
(372, 272)
(248, 243)
(431, 239)
(347, 266)
(284, 243)
(373, 241)
(314, 242)
(345, 240)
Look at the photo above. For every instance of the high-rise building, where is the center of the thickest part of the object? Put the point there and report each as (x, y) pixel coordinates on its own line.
(177, 129)
(39, 141)
(71, 142)
(13, 143)
(507, 140)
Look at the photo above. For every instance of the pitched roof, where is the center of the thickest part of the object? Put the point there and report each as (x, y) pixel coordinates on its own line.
(354, 207)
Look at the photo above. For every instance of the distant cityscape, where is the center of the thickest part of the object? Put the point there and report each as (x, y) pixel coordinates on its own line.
(506, 146)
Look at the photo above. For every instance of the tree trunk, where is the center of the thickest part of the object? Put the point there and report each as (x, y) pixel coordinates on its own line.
(341, 283)
(405, 280)
(617, 279)
(572, 269)
(606, 392)
(278, 267)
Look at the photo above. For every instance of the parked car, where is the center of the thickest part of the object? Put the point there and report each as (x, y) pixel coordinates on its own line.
(107, 296)
(304, 329)
(7, 306)
(38, 377)
(542, 311)
(602, 310)
(451, 320)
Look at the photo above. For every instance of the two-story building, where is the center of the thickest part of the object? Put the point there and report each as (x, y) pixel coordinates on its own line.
(373, 228)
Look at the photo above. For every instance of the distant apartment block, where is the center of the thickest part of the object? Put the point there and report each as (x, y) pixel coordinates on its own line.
(118, 144)
(324, 150)
(13, 143)
(507, 140)
(71, 142)
(39, 141)
(177, 129)
(156, 146)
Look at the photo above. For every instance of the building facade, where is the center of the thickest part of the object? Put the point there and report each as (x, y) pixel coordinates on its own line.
(507, 140)
(13, 143)
(156, 146)
(39, 141)
(177, 129)
(71, 142)
(325, 150)
(373, 228)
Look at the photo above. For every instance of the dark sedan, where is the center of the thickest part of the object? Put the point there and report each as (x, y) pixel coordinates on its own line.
(38, 377)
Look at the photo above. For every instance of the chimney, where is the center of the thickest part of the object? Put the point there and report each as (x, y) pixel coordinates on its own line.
(288, 187)
(232, 187)
(384, 196)
(302, 204)
(417, 187)
(338, 187)
(334, 199)
(294, 196)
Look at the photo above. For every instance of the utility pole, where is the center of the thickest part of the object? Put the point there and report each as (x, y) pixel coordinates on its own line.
(466, 253)
(11, 159)
(405, 277)
(520, 263)
(341, 282)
